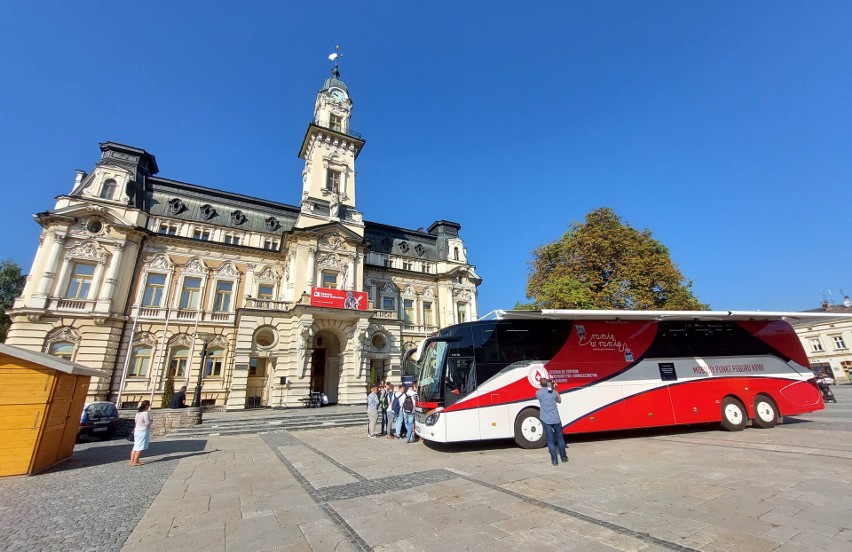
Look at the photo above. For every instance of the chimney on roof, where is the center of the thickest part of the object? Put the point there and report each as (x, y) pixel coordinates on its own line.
(825, 305)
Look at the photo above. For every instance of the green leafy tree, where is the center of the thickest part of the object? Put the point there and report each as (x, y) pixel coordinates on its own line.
(11, 286)
(604, 263)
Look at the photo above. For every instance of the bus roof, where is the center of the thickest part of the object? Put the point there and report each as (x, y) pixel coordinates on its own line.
(560, 314)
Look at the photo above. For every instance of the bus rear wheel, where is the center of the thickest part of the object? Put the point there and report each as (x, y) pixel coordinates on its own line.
(765, 413)
(733, 415)
(529, 433)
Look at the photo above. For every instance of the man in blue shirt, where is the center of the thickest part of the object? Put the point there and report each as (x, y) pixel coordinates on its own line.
(548, 397)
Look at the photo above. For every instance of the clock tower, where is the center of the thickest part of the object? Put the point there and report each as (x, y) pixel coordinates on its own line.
(329, 149)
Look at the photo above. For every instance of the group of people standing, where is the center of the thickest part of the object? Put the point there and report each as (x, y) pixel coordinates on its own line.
(395, 407)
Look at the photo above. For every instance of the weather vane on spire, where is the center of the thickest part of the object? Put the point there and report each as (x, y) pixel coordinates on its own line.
(333, 57)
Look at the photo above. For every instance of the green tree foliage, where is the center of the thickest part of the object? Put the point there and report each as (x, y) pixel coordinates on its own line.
(168, 390)
(604, 263)
(11, 286)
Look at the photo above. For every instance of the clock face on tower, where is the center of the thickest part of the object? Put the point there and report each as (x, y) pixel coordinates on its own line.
(337, 94)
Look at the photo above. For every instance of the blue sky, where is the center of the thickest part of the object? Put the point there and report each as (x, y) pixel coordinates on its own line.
(724, 127)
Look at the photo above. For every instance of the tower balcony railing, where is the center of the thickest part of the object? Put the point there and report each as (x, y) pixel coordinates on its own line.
(337, 128)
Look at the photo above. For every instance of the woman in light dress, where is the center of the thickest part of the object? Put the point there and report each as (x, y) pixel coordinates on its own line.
(141, 433)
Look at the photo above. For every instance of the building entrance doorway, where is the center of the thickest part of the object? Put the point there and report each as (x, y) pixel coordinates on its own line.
(318, 371)
(325, 365)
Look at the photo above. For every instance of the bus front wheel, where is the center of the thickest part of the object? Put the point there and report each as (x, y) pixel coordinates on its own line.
(733, 415)
(529, 433)
(765, 413)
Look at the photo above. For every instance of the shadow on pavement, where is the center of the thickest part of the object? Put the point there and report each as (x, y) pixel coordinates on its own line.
(108, 452)
(485, 446)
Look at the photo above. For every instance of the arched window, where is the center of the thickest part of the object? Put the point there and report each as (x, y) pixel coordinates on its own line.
(62, 349)
(177, 361)
(108, 189)
(215, 360)
(140, 361)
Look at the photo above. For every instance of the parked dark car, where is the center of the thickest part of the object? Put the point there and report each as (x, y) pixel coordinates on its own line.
(99, 419)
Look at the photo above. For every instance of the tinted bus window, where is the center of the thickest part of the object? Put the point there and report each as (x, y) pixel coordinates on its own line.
(700, 339)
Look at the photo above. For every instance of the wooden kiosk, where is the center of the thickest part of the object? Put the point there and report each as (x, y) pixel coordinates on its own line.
(41, 400)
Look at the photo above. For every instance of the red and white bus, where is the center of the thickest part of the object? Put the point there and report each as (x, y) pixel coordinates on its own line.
(615, 370)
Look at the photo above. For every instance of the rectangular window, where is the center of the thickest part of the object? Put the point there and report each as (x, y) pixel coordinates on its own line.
(222, 301)
(332, 181)
(154, 287)
(190, 294)
(214, 364)
(816, 346)
(140, 360)
(406, 265)
(408, 309)
(270, 245)
(838, 342)
(168, 229)
(233, 240)
(388, 303)
(388, 263)
(108, 189)
(265, 291)
(81, 281)
(177, 364)
(428, 319)
(462, 312)
(201, 234)
(335, 122)
(329, 280)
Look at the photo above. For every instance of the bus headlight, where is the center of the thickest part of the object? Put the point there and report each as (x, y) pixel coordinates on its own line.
(432, 417)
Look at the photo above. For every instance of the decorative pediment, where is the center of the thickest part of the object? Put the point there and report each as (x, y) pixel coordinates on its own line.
(161, 262)
(85, 250)
(181, 339)
(389, 288)
(195, 266)
(333, 241)
(427, 292)
(65, 333)
(268, 273)
(331, 260)
(145, 338)
(409, 290)
(229, 270)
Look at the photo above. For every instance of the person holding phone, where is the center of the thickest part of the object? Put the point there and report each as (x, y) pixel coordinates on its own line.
(548, 397)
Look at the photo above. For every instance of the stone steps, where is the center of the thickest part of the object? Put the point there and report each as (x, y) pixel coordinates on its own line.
(271, 423)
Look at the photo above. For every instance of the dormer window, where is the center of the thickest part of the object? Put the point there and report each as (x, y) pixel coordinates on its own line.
(108, 189)
(332, 181)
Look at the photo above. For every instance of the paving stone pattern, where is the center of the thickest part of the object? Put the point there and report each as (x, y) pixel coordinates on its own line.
(91, 502)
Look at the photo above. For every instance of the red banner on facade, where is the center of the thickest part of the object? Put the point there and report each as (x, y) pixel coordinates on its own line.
(338, 299)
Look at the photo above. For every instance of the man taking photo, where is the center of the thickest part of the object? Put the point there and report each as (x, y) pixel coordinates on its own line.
(548, 397)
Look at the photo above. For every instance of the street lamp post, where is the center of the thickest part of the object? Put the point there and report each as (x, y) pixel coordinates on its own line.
(196, 398)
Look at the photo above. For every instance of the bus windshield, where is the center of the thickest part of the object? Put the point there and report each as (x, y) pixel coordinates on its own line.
(429, 380)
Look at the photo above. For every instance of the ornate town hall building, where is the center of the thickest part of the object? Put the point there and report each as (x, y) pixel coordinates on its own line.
(139, 275)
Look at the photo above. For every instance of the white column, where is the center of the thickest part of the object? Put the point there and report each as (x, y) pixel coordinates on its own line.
(112, 270)
(49, 273)
(350, 273)
(312, 251)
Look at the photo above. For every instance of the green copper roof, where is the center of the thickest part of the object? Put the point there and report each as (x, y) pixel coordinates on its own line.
(334, 81)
